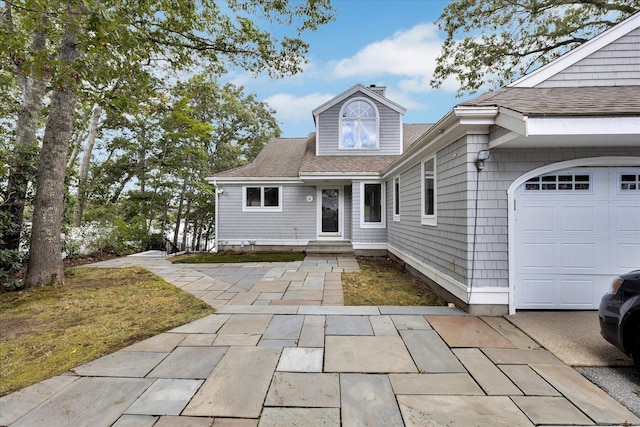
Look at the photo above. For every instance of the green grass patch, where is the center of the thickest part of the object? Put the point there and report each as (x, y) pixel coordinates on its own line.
(382, 281)
(49, 330)
(235, 257)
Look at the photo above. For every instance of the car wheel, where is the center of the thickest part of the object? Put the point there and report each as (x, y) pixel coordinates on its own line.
(635, 350)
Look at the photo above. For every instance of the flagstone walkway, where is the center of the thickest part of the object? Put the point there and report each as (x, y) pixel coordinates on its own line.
(269, 359)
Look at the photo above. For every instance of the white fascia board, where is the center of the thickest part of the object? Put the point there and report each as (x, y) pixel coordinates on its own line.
(570, 58)
(254, 180)
(358, 88)
(512, 120)
(583, 126)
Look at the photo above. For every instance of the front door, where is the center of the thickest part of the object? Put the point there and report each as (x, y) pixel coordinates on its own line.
(330, 212)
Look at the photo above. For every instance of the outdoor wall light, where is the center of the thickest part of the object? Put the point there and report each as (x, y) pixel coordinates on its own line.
(220, 191)
(482, 156)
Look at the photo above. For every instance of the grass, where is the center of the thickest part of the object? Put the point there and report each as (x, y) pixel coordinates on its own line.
(234, 257)
(382, 281)
(46, 331)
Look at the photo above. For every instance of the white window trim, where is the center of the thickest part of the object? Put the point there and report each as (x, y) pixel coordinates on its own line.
(431, 220)
(261, 208)
(375, 108)
(383, 206)
(396, 216)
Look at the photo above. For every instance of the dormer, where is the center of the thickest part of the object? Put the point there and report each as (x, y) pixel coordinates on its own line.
(361, 121)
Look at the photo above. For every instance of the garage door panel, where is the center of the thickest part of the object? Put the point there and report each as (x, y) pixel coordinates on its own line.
(578, 218)
(627, 218)
(628, 256)
(537, 218)
(538, 256)
(575, 293)
(577, 258)
(536, 293)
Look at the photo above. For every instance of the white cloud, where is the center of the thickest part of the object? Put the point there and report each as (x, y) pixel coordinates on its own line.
(294, 108)
(409, 55)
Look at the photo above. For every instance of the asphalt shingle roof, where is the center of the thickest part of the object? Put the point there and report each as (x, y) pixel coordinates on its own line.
(564, 101)
(289, 157)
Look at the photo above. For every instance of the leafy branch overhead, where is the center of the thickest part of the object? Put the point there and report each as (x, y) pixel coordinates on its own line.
(497, 41)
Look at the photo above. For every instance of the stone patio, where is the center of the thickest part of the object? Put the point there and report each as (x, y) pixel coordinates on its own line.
(266, 364)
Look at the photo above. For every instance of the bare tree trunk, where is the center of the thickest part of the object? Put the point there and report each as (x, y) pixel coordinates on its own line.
(194, 238)
(25, 154)
(74, 153)
(176, 230)
(186, 225)
(45, 256)
(84, 166)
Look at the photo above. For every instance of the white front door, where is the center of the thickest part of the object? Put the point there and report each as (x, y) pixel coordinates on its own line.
(330, 213)
(575, 231)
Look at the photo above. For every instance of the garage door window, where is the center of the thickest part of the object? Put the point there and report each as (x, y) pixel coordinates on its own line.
(560, 182)
(629, 182)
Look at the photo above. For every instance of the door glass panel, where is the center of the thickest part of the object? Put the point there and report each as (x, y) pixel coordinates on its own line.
(330, 203)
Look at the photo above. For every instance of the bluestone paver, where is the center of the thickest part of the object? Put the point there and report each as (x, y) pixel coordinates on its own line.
(410, 322)
(354, 354)
(136, 421)
(440, 384)
(493, 381)
(300, 417)
(461, 411)
(368, 400)
(467, 332)
(383, 325)
(348, 325)
(226, 340)
(246, 324)
(165, 397)
(284, 327)
(528, 380)
(510, 332)
(312, 333)
(90, 402)
(162, 343)
(306, 390)
(302, 359)
(551, 410)
(122, 364)
(189, 363)
(15, 405)
(595, 403)
(236, 422)
(238, 386)
(334, 310)
(206, 325)
(194, 340)
(175, 421)
(277, 343)
(430, 353)
(517, 356)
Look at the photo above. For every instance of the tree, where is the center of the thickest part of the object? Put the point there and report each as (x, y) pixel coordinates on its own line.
(503, 39)
(179, 34)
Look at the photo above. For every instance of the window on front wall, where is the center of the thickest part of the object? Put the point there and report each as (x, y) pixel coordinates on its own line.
(262, 199)
(428, 187)
(396, 199)
(359, 126)
(372, 205)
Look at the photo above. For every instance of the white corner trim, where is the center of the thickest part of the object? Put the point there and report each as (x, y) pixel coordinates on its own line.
(570, 58)
(605, 161)
(489, 295)
(458, 289)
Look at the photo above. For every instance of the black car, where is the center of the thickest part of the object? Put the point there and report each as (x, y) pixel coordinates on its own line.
(619, 315)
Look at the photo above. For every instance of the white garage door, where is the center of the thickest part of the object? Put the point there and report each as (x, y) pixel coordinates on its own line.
(575, 230)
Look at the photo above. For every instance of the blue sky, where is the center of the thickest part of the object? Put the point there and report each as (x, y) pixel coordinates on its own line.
(391, 43)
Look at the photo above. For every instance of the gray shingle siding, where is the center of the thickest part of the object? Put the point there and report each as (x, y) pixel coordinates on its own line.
(617, 64)
(296, 222)
(329, 131)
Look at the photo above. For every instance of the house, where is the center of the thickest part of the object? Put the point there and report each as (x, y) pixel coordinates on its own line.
(527, 197)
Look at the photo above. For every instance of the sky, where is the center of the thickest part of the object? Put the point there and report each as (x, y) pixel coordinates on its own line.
(391, 43)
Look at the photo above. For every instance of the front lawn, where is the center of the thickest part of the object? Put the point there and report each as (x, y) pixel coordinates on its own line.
(382, 281)
(46, 331)
(235, 257)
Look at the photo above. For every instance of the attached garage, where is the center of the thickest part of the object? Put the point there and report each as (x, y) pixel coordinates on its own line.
(574, 231)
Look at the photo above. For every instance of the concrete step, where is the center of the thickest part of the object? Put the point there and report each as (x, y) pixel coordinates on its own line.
(329, 247)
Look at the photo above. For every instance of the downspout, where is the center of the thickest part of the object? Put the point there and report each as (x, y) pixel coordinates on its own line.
(215, 222)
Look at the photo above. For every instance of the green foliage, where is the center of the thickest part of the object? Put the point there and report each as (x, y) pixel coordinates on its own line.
(11, 261)
(496, 41)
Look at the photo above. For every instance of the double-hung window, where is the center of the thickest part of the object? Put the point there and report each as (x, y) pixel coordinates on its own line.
(265, 199)
(372, 206)
(428, 197)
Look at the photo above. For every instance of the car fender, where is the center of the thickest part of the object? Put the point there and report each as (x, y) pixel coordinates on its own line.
(629, 321)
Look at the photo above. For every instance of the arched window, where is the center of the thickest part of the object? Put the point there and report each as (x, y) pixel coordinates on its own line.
(359, 125)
